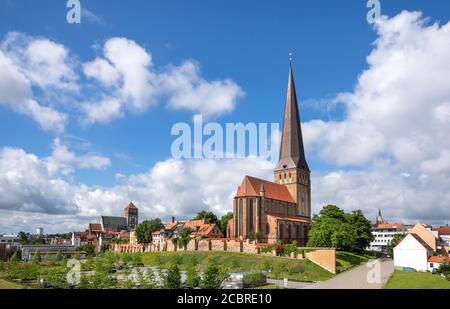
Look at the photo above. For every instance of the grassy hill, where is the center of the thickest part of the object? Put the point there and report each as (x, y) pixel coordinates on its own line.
(296, 270)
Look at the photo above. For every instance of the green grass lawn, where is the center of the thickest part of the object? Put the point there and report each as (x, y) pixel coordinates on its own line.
(347, 260)
(406, 280)
(296, 270)
(4, 284)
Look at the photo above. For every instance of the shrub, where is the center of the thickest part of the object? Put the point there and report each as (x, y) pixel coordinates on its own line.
(266, 249)
(444, 269)
(213, 276)
(192, 277)
(159, 260)
(254, 279)
(288, 249)
(177, 259)
(171, 279)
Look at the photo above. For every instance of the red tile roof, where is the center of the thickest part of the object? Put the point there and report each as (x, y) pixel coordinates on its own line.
(193, 224)
(288, 218)
(130, 205)
(171, 226)
(251, 187)
(95, 227)
(443, 230)
(439, 259)
(389, 225)
(205, 229)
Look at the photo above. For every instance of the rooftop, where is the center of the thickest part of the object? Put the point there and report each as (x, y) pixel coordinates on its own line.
(252, 186)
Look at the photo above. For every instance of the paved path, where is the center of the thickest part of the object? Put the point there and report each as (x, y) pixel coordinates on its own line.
(357, 278)
(291, 284)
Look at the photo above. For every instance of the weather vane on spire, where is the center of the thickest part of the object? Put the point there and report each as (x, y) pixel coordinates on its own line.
(291, 56)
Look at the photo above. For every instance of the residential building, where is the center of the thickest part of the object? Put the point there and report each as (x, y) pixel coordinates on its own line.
(434, 262)
(412, 253)
(279, 210)
(384, 233)
(40, 231)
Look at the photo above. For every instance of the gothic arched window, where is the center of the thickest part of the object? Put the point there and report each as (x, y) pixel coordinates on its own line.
(241, 217)
(250, 215)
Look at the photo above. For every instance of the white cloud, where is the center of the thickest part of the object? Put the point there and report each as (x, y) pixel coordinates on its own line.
(128, 69)
(16, 92)
(399, 107)
(45, 63)
(39, 78)
(64, 161)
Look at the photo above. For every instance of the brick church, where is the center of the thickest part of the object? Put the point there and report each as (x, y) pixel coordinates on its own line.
(280, 210)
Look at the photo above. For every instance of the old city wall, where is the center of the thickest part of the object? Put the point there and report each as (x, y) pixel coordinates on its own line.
(324, 257)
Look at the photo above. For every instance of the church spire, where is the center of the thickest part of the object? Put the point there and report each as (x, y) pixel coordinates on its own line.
(292, 153)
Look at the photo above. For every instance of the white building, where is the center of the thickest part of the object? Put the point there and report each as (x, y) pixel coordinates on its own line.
(40, 231)
(384, 233)
(434, 262)
(412, 253)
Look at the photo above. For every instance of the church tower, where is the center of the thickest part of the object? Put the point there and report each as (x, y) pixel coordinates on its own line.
(292, 170)
(131, 216)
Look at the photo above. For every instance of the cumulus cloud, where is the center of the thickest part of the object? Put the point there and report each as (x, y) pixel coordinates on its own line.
(40, 78)
(17, 94)
(127, 71)
(172, 187)
(400, 105)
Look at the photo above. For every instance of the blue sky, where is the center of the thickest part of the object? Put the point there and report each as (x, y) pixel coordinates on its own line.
(244, 41)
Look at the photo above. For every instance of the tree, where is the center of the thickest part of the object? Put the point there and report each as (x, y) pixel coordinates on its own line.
(192, 277)
(88, 248)
(213, 276)
(208, 216)
(172, 278)
(224, 222)
(23, 237)
(259, 236)
(184, 237)
(145, 229)
(334, 228)
(394, 242)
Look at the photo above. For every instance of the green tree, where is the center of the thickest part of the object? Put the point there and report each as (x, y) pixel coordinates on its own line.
(334, 228)
(172, 278)
(59, 257)
(208, 216)
(147, 280)
(213, 276)
(192, 277)
(184, 237)
(88, 248)
(23, 237)
(145, 229)
(224, 222)
(394, 242)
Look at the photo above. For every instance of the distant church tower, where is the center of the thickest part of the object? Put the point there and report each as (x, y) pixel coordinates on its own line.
(131, 216)
(292, 170)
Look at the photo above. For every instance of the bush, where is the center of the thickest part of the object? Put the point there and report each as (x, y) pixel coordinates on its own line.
(288, 249)
(266, 249)
(213, 276)
(171, 279)
(177, 259)
(254, 279)
(444, 269)
(192, 277)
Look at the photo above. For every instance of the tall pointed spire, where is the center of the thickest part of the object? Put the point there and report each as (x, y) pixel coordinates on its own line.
(292, 152)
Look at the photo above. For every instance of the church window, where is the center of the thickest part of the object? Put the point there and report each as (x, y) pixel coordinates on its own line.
(297, 228)
(259, 215)
(250, 215)
(267, 228)
(241, 218)
(281, 231)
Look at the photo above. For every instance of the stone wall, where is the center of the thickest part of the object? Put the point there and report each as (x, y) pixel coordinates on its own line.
(324, 257)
